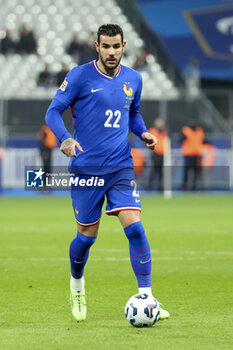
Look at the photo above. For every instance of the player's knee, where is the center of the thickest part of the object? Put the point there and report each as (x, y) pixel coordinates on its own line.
(129, 217)
(134, 230)
(80, 245)
(90, 231)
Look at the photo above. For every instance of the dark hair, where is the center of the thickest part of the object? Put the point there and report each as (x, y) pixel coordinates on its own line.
(110, 30)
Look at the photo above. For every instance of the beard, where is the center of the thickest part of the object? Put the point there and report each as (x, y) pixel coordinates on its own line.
(108, 66)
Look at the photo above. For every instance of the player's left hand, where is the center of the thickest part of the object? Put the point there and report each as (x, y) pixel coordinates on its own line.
(150, 140)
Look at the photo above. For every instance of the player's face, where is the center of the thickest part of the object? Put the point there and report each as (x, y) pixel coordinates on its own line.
(110, 51)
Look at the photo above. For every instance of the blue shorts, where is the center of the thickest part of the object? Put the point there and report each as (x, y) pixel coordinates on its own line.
(88, 194)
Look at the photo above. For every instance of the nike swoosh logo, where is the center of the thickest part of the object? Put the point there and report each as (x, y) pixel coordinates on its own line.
(144, 262)
(95, 90)
(137, 200)
(78, 262)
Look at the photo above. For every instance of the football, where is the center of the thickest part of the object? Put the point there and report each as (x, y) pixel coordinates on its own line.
(142, 310)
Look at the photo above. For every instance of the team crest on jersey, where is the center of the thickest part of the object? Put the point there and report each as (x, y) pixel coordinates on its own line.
(129, 93)
(63, 85)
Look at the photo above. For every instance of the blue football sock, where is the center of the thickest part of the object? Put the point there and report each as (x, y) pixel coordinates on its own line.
(140, 255)
(79, 251)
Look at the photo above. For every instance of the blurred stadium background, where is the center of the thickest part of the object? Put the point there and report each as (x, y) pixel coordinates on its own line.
(183, 49)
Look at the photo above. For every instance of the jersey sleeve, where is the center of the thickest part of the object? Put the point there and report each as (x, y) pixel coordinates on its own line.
(55, 122)
(70, 88)
(136, 122)
(65, 95)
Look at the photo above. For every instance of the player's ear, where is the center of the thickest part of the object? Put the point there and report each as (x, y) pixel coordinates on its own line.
(124, 44)
(97, 46)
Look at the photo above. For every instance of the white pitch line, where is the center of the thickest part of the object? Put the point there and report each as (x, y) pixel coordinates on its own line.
(153, 259)
(163, 258)
(157, 251)
(153, 251)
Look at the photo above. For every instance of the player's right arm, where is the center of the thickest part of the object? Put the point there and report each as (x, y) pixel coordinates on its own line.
(68, 91)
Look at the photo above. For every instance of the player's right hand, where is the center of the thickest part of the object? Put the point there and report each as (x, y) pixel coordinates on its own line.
(68, 147)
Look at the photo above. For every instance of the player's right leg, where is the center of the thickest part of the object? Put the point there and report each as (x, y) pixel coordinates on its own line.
(79, 251)
(87, 204)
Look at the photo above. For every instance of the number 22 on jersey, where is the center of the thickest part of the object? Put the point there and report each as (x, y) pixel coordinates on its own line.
(109, 122)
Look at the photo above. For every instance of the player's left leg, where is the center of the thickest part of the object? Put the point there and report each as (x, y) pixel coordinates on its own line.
(140, 255)
(123, 200)
(139, 248)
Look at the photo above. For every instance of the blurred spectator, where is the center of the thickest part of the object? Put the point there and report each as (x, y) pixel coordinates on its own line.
(138, 160)
(192, 69)
(207, 161)
(157, 157)
(75, 47)
(192, 139)
(208, 156)
(91, 38)
(61, 75)
(47, 143)
(88, 55)
(27, 42)
(230, 123)
(192, 76)
(8, 45)
(141, 60)
(45, 77)
(89, 52)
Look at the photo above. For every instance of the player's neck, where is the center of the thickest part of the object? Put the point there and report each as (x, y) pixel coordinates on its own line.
(111, 72)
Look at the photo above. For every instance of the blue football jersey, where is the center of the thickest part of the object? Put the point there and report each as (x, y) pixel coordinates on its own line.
(101, 107)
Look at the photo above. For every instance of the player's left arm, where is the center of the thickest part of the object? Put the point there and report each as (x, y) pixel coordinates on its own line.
(136, 122)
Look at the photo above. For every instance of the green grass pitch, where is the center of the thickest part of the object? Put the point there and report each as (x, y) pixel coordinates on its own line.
(191, 238)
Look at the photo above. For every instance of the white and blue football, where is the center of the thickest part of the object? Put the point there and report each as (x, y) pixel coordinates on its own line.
(142, 310)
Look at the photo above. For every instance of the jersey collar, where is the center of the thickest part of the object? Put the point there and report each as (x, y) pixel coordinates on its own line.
(104, 74)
